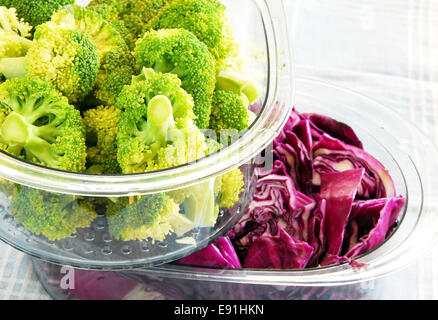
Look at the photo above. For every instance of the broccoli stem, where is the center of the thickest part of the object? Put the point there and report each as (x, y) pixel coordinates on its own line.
(13, 67)
(235, 82)
(16, 131)
(160, 118)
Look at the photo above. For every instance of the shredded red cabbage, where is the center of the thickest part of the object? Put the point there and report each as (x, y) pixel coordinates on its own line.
(325, 201)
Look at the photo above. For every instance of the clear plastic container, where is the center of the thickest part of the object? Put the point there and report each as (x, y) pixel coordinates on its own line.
(260, 27)
(410, 159)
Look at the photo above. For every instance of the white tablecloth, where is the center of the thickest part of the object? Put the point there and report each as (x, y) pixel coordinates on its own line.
(385, 49)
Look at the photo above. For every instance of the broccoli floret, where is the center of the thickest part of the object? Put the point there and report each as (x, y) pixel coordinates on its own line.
(198, 202)
(229, 111)
(66, 58)
(101, 132)
(150, 139)
(228, 188)
(8, 188)
(55, 216)
(178, 51)
(35, 12)
(204, 18)
(38, 124)
(14, 42)
(117, 64)
(230, 80)
(129, 16)
(149, 84)
(147, 217)
(156, 130)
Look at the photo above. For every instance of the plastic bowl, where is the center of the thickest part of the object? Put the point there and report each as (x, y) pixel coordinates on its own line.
(410, 158)
(268, 58)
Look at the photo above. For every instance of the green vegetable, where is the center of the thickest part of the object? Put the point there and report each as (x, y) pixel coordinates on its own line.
(101, 130)
(38, 124)
(55, 216)
(130, 17)
(14, 42)
(198, 202)
(117, 65)
(228, 188)
(147, 217)
(230, 111)
(204, 18)
(156, 130)
(35, 12)
(179, 52)
(66, 58)
(230, 80)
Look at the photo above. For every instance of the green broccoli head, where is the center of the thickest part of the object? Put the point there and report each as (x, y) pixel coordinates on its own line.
(14, 42)
(147, 217)
(167, 51)
(149, 84)
(130, 17)
(150, 139)
(117, 64)
(101, 125)
(156, 130)
(198, 202)
(229, 111)
(38, 124)
(207, 20)
(35, 12)
(228, 188)
(66, 58)
(56, 216)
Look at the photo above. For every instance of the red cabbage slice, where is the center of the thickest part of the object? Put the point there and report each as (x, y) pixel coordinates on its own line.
(338, 189)
(101, 285)
(276, 204)
(332, 155)
(370, 223)
(219, 254)
(317, 238)
(294, 153)
(280, 251)
(326, 125)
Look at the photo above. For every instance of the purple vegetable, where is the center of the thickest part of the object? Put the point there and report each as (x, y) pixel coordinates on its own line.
(219, 254)
(332, 155)
(276, 204)
(294, 153)
(325, 125)
(278, 252)
(338, 189)
(100, 285)
(325, 201)
(370, 222)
